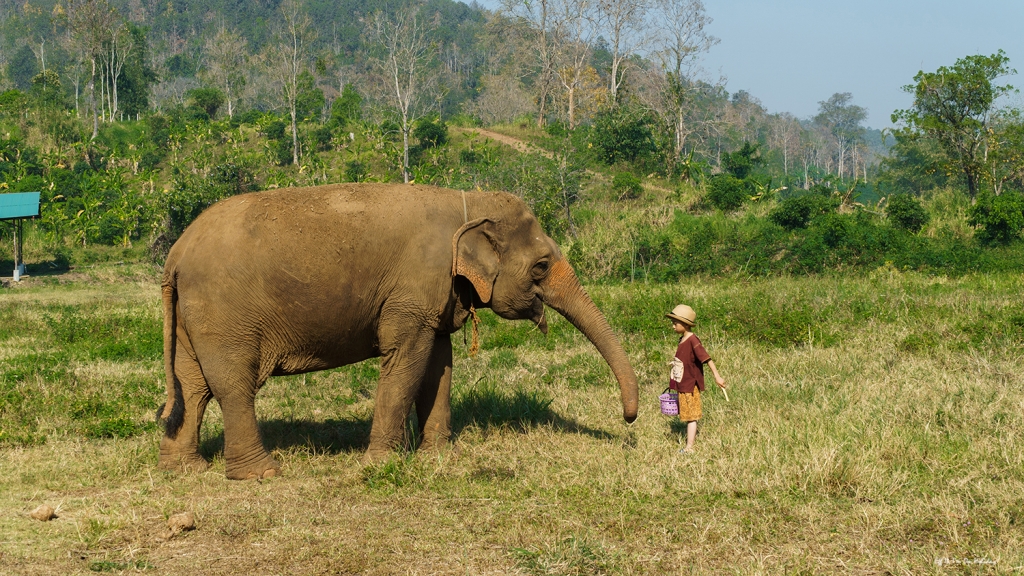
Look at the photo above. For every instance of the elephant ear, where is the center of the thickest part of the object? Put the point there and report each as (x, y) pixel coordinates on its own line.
(475, 256)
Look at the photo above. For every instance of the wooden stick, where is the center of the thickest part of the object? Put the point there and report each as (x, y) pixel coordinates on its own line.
(726, 392)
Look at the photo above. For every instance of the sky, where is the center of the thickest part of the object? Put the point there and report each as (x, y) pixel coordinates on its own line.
(793, 54)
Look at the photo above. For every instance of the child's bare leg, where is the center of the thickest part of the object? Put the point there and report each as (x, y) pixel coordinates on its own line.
(691, 434)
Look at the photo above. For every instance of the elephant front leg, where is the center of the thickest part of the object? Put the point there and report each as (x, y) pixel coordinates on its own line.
(433, 404)
(403, 365)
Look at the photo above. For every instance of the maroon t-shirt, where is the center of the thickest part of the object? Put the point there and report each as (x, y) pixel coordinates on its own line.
(693, 356)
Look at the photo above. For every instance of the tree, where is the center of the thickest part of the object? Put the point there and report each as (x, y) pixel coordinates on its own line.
(572, 35)
(625, 22)
(117, 45)
(227, 56)
(137, 78)
(954, 107)
(784, 136)
(538, 14)
(681, 39)
(22, 68)
(1005, 150)
(209, 99)
(90, 22)
(842, 120)
(288, 60)
(347, 107)
(401, 57)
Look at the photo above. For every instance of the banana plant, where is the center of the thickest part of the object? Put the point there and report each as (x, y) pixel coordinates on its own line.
(765, 191)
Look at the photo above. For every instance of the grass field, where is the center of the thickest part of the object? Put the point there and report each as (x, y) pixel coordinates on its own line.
(875, 427)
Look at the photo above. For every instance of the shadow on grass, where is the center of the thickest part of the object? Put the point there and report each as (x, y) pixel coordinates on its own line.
(328, 436)
(37, 269)
(486, 407)
(490, 406)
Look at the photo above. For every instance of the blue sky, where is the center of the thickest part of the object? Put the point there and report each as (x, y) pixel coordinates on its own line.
(792, 54)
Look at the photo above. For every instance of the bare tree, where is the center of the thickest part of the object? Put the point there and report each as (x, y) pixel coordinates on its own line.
(402, 57)
(625, 23)
(227, 55)
(681, 39)
(287, 59)
(119, 44)
(90, 22)
(503, 99)
(784, 136)
(842, 120)
(538, 13)
(572, 36)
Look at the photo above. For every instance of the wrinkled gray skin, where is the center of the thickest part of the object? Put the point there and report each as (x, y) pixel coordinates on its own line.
(296, 280)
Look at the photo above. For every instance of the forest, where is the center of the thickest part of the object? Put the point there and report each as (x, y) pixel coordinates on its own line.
(132, 117)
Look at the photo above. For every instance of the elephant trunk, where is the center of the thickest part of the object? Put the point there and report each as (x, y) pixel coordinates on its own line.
(562, 291)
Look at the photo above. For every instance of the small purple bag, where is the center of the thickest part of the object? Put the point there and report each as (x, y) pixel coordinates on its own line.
(669, 403)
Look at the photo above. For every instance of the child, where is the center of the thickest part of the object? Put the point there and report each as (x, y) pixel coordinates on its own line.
(687, 377)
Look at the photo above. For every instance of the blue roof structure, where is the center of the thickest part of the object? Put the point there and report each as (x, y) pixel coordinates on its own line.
(19, 205)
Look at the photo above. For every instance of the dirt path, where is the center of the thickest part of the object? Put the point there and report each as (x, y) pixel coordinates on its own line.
(504, 139)
(525, 147)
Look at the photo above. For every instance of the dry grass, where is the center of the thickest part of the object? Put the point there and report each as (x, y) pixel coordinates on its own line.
(887, 438)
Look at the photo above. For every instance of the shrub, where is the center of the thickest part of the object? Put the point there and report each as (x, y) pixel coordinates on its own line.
(274, 130)
(623, 135)
(726, 192)
(557, 129)
(209, 99)
(322, 138)
(798, 211)
(905, 212)
(431, 133)
(251, 116)
(355, 171)
(347, 107)
(741, 162)
(627, 185)
(1001, 218)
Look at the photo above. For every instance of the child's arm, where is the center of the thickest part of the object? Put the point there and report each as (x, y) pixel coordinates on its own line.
(718, 377)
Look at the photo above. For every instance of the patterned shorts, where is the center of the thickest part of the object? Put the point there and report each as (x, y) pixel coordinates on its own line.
(689, 406)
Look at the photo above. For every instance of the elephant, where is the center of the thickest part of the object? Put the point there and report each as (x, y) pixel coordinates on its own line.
(295, 280)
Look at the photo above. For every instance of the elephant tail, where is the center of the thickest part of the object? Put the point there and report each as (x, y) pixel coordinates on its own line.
(173, 410)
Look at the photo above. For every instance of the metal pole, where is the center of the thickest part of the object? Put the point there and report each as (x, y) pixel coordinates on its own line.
(21, 246)
(18, 233)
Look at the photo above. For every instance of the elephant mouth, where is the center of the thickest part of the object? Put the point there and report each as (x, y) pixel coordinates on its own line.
(537, 315)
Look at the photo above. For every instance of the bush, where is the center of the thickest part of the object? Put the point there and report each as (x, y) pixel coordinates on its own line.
(431, 133)
(623, 135)
(346, 108)
(905, 212)
(726, 192)
(355, 171)
(251, 116)
(741, 162)
(209, 99)
(322, 138)
(798, 211)
(627, 185)
(1001, 218)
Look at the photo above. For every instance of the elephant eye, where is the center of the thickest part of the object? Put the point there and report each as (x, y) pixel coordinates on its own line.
(540, 269)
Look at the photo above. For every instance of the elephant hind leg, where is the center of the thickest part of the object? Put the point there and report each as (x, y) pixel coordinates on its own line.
(179, 448)
(433, 404)
(234, 385)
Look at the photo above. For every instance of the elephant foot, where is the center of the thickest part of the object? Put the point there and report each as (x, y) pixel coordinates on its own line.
(435, 445)
(265, 467)
(376, 456)
(182, 462)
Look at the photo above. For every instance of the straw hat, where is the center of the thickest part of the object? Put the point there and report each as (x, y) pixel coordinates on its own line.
(684, 314)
